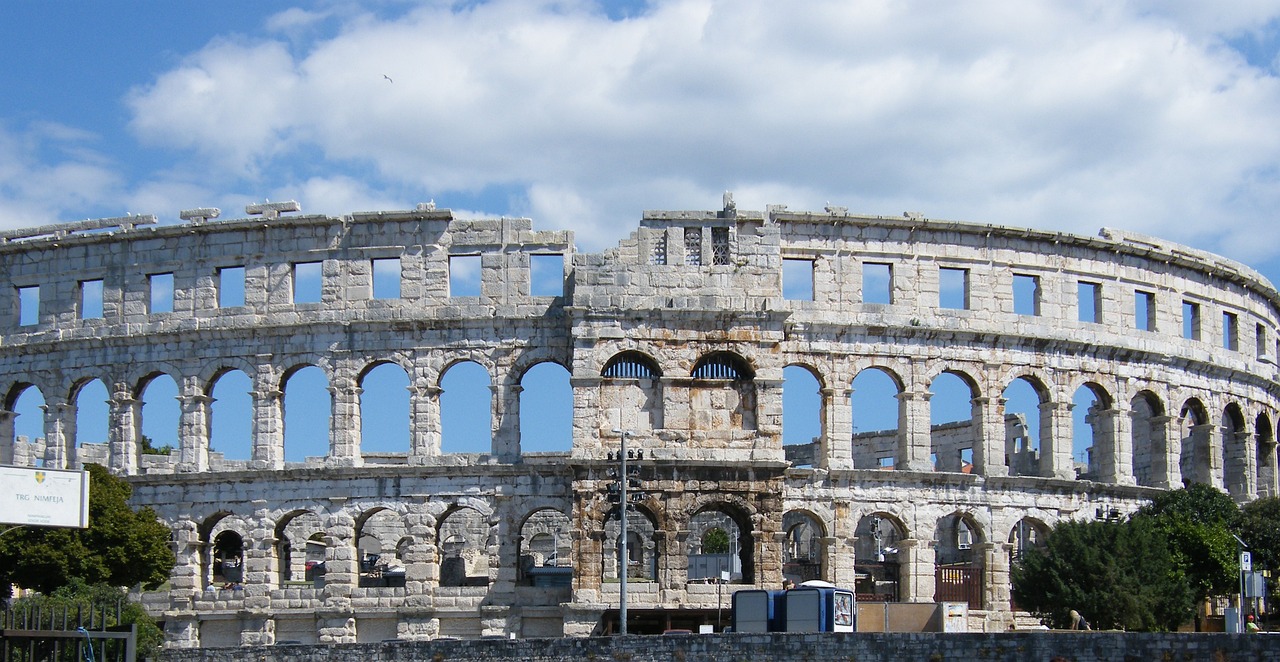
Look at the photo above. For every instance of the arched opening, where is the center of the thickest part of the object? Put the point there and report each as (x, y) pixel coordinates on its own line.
(1093, 448)
(723, 393)
(631, 393)
(546, 550)
(299, 549)
(1195, 461)
(27, 403)
(875, 406)
(384, 410)
(93, 415)
(955, 423)
(228, 559)
(957, 564)
(1027, 534)
(466, 409)
(464, 548)
(308, 406)
(158, 416)
(1235, 456)
(546, 409)
(732, 551)
(1266, 460)
(1149, 440)
(879, 564)
(1022, 426)
(642, 548)
(803, 427)
(803, 552)
(377, 536)
(231, 419)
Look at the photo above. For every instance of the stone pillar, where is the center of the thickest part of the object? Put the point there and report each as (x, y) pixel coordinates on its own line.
(57, 433)
(996, 585)
(422, 574)
(260, 574)
(989, 437)
(1244, 443)
(1164, 452)
(1113, 446)
(1055, 440)
(122, 436)
(837, 428)
(916, 575)
(344, 425)
(268, 429)
(342, 568)
(1267, 484)
(193, 427)
(185, 582)
(914, 432)
(1206, 455)
(424, 423)
(506, 419)
(6, 436)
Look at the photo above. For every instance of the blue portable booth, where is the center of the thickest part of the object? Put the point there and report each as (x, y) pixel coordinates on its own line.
(819, 609)
(758, 610)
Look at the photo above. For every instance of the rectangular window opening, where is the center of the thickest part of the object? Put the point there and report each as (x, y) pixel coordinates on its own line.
(720, 246)
(161, 295)
(1190, 320)
(1144, 310)
(658, 251)
(1089, 301)
(877, 283)
(1230, 331)
(953, 288)
(230, 287)
(693, 247)
(307, 282)
(386, 278)
(797, 279)
(886, 462)
(90, 299)
(1026, 294)
(464, 275)
(1260, 341)
(29, 305)
(546, 275)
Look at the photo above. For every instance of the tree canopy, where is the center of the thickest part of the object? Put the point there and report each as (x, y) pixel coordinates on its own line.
(1260, 527)
(121, 546)
(1198, 522)
(1119, 574)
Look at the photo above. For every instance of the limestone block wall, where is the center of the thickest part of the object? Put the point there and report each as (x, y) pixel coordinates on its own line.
(679, 337)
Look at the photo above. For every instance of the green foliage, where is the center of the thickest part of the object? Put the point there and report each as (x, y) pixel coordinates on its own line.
(1119, 575)
(149, 449)
(77, 596)
(1260, 527)
(121, 547)
(715, 541)
(1198, 521)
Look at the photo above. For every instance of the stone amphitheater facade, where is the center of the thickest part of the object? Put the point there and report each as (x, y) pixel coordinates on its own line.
(680, 336)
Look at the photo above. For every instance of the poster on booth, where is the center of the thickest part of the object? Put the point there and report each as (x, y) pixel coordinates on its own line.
(32, 496)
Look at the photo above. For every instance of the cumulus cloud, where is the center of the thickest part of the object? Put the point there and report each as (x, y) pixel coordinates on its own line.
(1069, 116)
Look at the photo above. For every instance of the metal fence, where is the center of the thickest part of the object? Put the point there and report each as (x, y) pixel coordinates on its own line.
(66, 634)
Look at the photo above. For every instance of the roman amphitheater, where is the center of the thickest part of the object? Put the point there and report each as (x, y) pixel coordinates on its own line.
(1148, 365)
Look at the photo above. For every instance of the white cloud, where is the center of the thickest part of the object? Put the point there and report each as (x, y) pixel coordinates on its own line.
(49, 173)
(1070, 116)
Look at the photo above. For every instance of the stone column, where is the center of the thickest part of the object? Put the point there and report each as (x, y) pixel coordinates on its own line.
(1206, 455)
(57, 432)
(1267, 485)
(268, 427)
(914, 432)
(506, 418)
(193, 427)
(6, 436)
(122, 436)
(1164, 452)
(424, 423)
(1244, 443)
(916, 575)
(1113, 444)
(996, 586)
(989, 437)
(837, 428)
(1055, 440)
(344, 424)
(342, 568)
(260, 574)
(184, 580)
(422, 574)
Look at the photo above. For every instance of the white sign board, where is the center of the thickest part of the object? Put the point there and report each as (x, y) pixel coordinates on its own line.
(1246, 561)
(33, 496)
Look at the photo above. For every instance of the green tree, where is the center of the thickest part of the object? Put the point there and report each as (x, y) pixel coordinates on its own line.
(1198, 521)
(715, 541)
(121, 546)
(1117, 574)
(79, 597)
(1260, 528)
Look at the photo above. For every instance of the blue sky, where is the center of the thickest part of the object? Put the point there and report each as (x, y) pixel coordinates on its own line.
(1156, 117)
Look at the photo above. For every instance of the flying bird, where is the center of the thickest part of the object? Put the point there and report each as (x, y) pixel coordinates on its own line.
(388, 78)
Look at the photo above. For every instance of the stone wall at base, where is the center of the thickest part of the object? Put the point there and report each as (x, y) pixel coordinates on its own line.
(822, 647)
